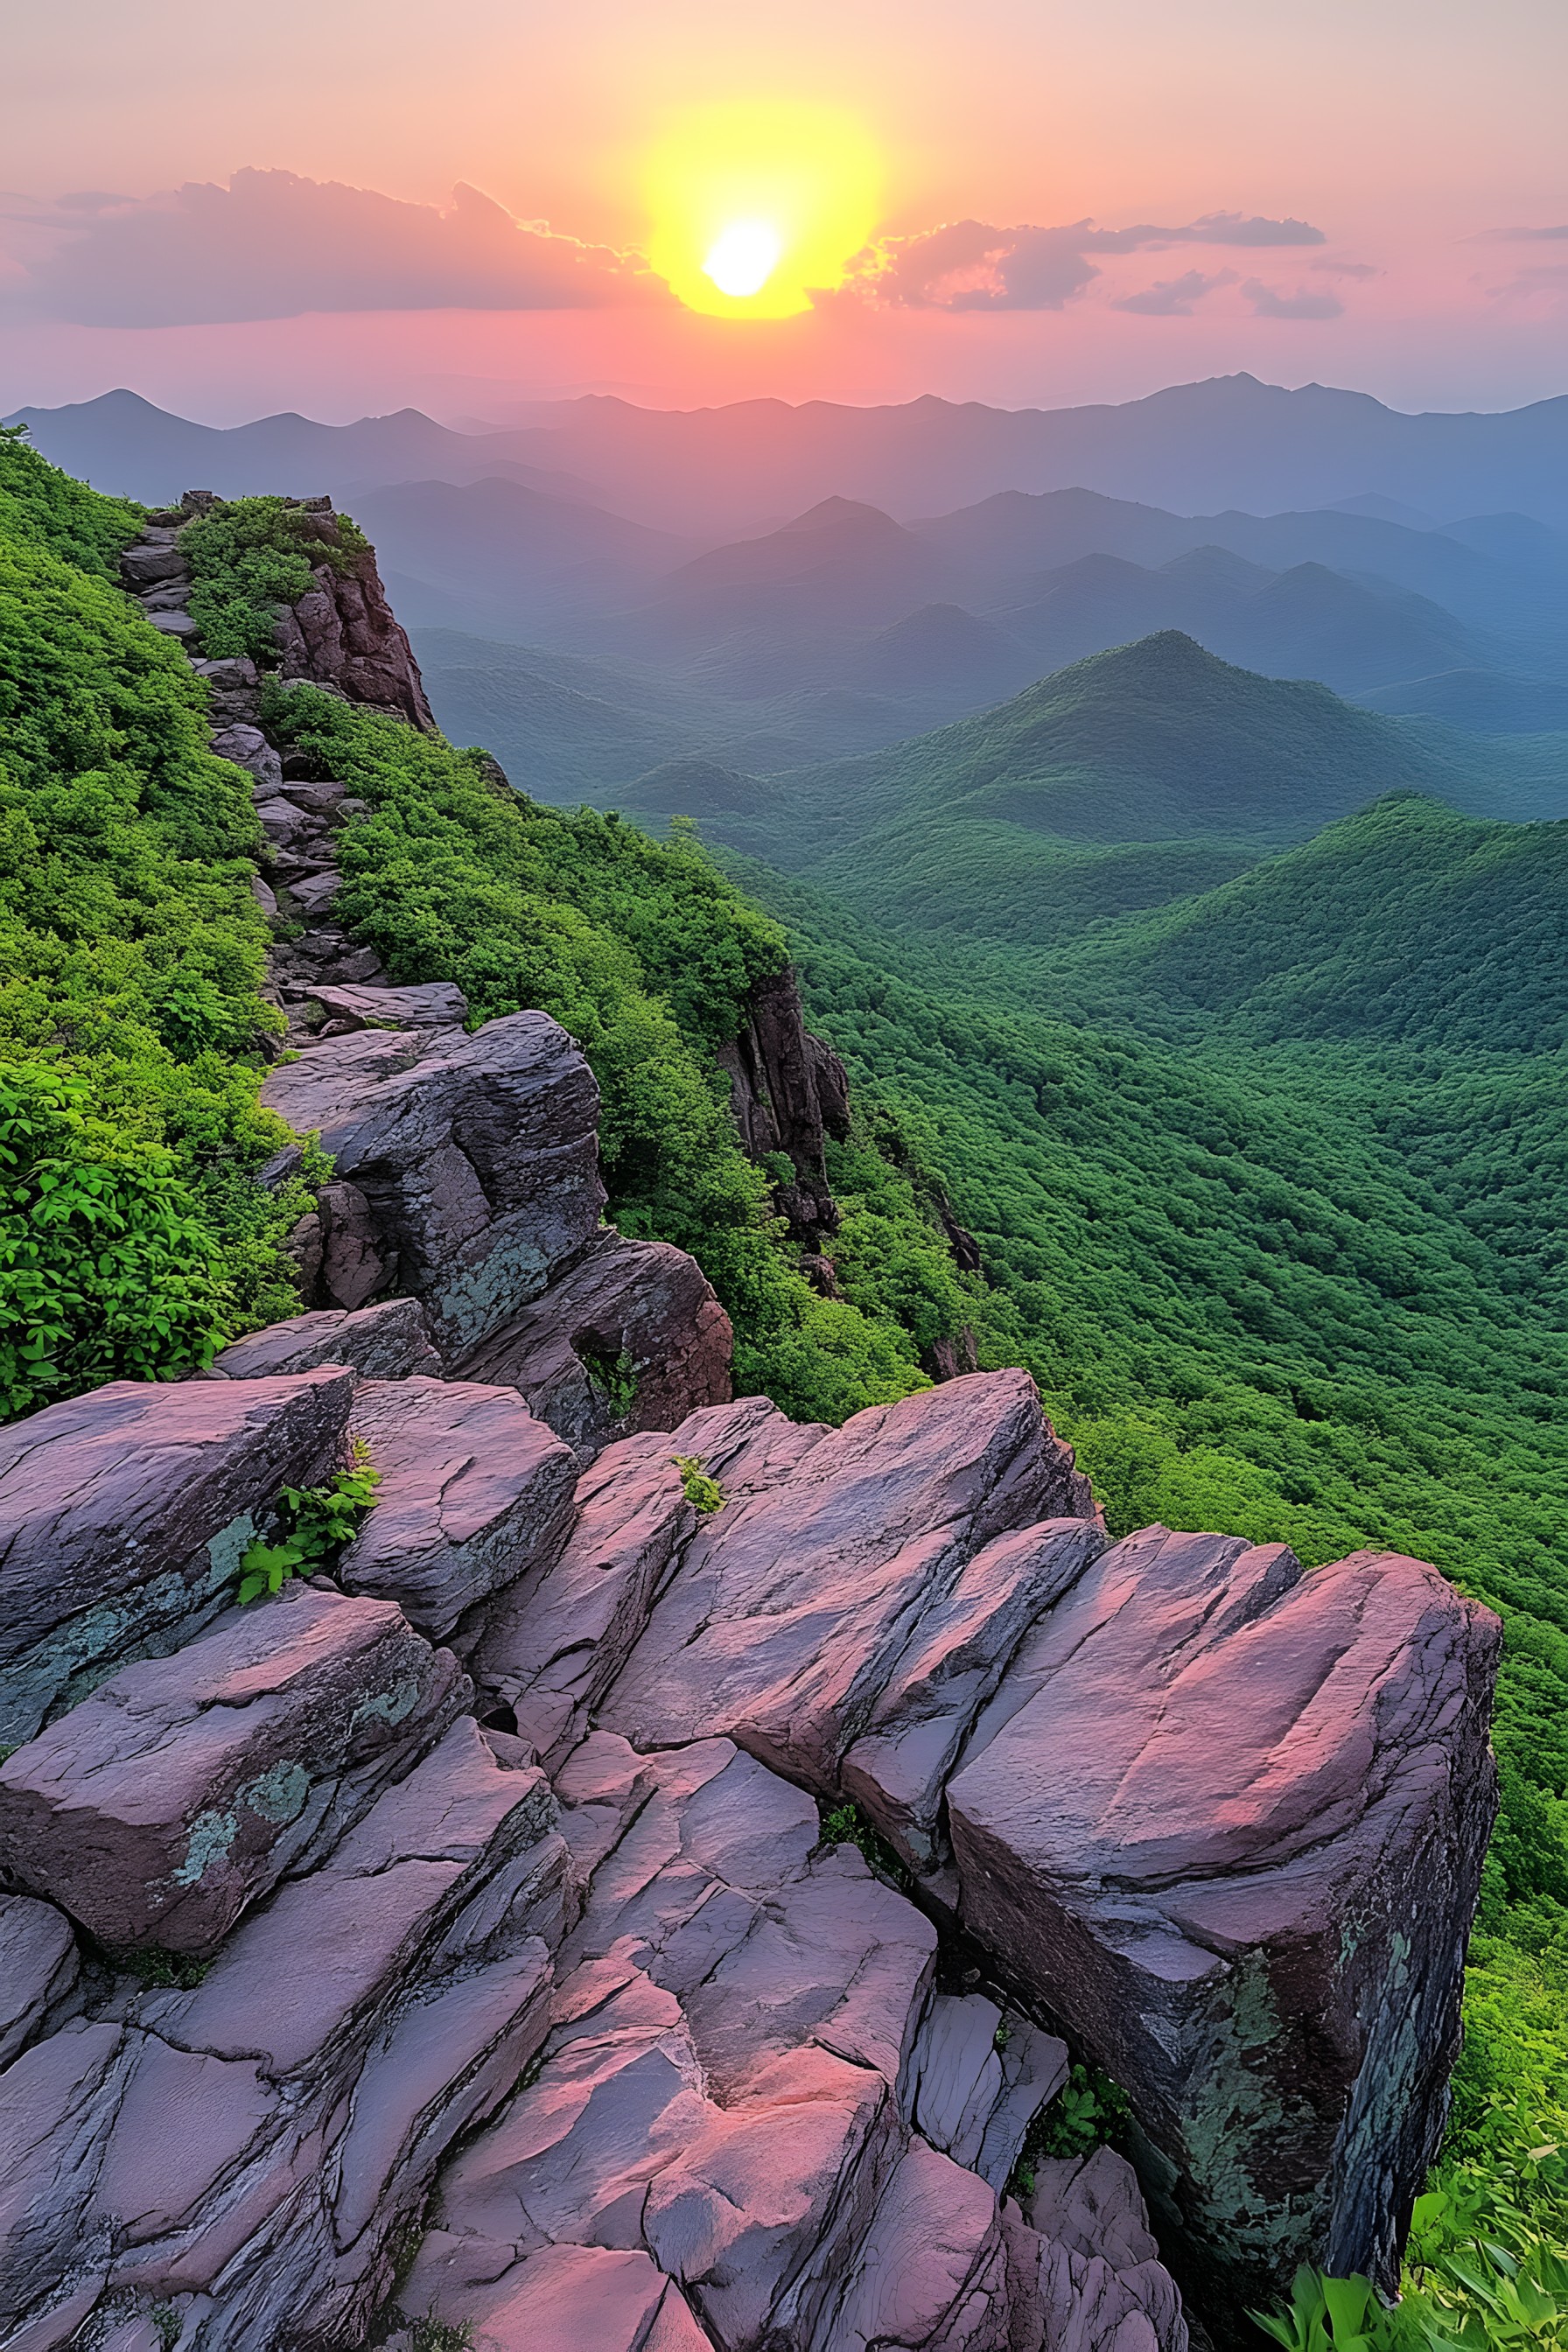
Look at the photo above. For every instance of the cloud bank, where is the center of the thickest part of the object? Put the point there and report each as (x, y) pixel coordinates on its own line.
(971, 265)
(273, 244)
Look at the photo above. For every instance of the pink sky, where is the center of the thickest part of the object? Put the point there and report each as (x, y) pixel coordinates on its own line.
(1387, 140)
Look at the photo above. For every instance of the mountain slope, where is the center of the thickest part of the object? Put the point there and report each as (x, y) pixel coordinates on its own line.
(1406, 923)
(1134, 777)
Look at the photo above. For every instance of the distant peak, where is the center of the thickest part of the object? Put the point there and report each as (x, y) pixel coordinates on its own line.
(838, 509)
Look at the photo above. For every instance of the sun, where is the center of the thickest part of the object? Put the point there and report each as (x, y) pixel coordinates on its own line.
(752, 206)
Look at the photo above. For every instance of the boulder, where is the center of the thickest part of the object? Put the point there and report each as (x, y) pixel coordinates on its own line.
(437, 1005)
(385, 1343)
(784, 1628)
(474, 1494)
(161, 1808)
(1229, 1819)
(930, 2274)
(258, 2145)
(477, 1156)
(341, 634)
(249, 748)
(630, 1336)
(124, 1513)
(980, 2079)
(145, 563)
(1083, 2270)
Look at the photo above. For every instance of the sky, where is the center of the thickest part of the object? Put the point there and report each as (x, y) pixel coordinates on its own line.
(344, 207)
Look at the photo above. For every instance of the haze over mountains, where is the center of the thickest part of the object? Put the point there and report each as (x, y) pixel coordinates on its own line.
(1231, 441)
(724, 625)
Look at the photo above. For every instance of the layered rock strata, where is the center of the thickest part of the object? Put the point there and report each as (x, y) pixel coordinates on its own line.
(574, 2030)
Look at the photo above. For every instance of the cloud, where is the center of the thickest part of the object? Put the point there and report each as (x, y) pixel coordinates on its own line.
(1346, 268)
(971, 265)
(1173, 297)
(273, 244)
(1268, 303)
(1521, 235)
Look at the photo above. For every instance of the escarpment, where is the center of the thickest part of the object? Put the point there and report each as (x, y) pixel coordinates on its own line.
(642, 1888)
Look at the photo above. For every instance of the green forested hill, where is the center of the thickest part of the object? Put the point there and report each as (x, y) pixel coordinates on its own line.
(1134, 777)
(1406, 923)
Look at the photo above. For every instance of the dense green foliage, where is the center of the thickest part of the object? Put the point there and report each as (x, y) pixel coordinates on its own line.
(1133, 778)
(646, 954)
(247, 557)
(1405, 922)
(130, 954)
(316, 1526)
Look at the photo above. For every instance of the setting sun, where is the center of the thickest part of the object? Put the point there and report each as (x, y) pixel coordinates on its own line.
(753, 206)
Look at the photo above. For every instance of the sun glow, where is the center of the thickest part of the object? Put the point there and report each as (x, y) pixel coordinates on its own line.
(755, 206)
(744, 258)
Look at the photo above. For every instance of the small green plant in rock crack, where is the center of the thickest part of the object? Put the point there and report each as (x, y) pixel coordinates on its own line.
(1089, 2110)
(319, 1524)
(845, 1824)
(160, 1970)
(167, 2326)
(703, 1493)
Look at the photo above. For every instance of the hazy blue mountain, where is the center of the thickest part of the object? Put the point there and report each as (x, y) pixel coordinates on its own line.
(1193, 448)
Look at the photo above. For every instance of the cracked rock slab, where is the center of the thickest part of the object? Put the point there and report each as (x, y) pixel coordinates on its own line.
(183, 1788)
(474, 1494)
(124, 1513)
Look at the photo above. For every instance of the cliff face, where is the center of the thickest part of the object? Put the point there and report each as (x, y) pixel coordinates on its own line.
(456, 1936)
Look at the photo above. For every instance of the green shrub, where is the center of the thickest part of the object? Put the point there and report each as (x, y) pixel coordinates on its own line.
(248, 557)
(704, 1493)
(317, 1523)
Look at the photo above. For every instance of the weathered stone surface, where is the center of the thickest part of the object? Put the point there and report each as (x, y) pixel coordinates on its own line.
(478, 1155)
(1087, 2270)
(628, 1337)
(786, 1627)
(249, 748)
(932, 2274)
(1229, 1821)
(123, 1515)
(38, 1971)
(474, 1493)
(898, 1771)
(437, 1005)
(276, 2127)
(148, 562)
(385, 1343)
(162, 1806)
(787, 1089)
(979, 2081)
(342, 634)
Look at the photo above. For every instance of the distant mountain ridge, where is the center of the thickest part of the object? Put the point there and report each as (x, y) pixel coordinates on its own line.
(1231, 441)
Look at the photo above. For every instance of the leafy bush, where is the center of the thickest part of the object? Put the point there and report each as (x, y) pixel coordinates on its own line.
(248, 557)
(704, 1493)
(133, 1241)
(317, 1523)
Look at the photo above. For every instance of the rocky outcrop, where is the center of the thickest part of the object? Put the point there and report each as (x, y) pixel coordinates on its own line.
(342, 633)
(466, 1177)
(123, 1515)
(788, 1091)
(614, 2048)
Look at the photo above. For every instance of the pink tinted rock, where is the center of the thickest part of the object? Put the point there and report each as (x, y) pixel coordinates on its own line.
(553, 1651)
(474, 1494)
(974, 2096)
(164, 1804)
(1217, 1805)
(932, 2274)
(955, 1659)
(385, 1342)
(571, 2298)
(123, 1515)
(786, 1629)
(39, 1969)
(641, 1313)
(343, 633)
(436, 1005)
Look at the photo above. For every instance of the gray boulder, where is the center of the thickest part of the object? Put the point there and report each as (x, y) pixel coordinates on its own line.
(385, 1342)
(478, 1155)
(474, 1494)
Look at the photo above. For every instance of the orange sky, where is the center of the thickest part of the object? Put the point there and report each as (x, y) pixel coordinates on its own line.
(1402, 129)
